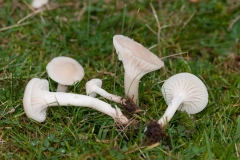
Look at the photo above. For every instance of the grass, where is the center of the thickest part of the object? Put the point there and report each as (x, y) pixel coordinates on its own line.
(207, 32)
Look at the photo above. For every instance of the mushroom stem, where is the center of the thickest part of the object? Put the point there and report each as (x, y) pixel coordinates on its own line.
(65, 99)
(93, 87)
(107, 95)
(131, 85)
(62, 88)
(171, 109)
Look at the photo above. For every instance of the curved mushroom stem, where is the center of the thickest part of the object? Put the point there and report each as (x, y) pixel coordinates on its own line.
(107, 95)
(171, 109)
(37, 99)
(131, 85)
(65, 99)
(62, 88)
(93, 87)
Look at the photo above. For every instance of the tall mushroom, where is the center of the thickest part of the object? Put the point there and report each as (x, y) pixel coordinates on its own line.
(93, 87)
(184, 92)
(137, 61)
(65, 71)
(37, 99)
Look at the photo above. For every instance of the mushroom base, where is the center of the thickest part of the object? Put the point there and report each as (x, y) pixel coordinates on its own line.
(129, 105)
(155, 133)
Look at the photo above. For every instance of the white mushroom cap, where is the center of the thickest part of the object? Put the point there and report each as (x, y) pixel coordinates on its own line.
(184, 92)
(137, 61)
(90, 89)
(65, 70)
(190, 87)
(38, 3)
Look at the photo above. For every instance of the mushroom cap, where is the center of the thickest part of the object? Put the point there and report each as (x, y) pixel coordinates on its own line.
(38, 3)
(90, 84)
(190, 87)
(33, 105)
(65, 70)
(135, 57)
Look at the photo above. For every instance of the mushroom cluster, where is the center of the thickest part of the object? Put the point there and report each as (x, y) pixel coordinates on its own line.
(183, 91)
(65, 71)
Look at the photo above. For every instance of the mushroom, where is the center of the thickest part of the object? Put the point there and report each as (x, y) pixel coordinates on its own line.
(184, 92)
(38, 3)
(93, 87)
(65, 71)
(37, 99)
(137, 61)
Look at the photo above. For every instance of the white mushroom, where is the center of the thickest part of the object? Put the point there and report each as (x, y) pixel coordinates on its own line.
(37, 99)
(184, 92)
(38, 3)
(137, 61)
(93, 87)
(65, 71)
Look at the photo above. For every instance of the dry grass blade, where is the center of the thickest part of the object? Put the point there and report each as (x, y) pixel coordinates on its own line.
(174, 55)
(13, 26)
(159, 26)
(45, 9)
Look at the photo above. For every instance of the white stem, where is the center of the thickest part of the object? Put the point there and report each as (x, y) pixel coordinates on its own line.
(131, 85)
(107, 95)
(171, 109)
(65, 99)
(62, 88)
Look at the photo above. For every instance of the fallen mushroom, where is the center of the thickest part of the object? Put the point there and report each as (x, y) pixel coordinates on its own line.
(137, 61)
(38, 3)
(37, 99)
(65, 71)
(93, 87)
(184, 92)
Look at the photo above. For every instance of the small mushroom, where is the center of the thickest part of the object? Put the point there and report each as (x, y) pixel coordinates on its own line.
(184, 92)
(37, 99)
(93, 87)
(137, 61)
(65, 71)
(38, 3)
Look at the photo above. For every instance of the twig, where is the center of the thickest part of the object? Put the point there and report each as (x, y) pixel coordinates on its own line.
(159, 27)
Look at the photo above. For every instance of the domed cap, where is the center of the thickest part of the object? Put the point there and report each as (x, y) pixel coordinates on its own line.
(65, 70)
